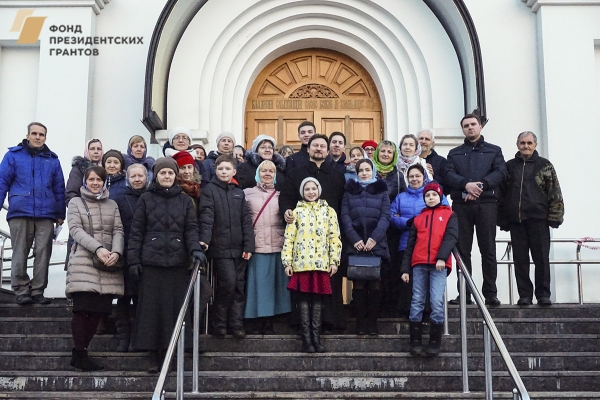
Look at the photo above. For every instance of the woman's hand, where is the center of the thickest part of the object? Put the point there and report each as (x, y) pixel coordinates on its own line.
(333, 268)
(103, 254)
(405, 277)
(246, 256)
(360, 246)
(440, 265)
(112, 259)
(370, 244)
(289, 271)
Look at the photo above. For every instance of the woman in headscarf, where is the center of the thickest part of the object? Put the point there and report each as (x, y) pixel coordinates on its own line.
(263, 148)
(410, 150)
(266, 284)
(356, 153)
(200, 152)
(95, 224)
(137, 151)
(286, 151)
(365, 217)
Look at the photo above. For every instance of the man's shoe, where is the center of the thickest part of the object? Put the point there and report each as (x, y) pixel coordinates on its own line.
(544, 301)
(525, 301)
(24, 299)
(220, 331)
(456, 301)
(492, 301)
(238, 333)
(40, 299)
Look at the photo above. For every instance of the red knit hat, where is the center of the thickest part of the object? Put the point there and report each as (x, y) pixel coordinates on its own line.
(371, 143)
(436, 187)
(183, 158)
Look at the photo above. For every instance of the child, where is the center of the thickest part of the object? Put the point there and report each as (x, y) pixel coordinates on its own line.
(433, 235)
(226, 234)
(311, 255)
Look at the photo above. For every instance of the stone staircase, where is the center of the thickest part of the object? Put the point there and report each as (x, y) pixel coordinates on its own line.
(556, 350)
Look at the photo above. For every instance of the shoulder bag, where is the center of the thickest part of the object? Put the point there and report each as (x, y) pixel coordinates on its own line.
(96, 261)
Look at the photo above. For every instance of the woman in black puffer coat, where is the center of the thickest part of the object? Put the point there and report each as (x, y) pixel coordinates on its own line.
(365, 217)
(263, 148)
(162, 243)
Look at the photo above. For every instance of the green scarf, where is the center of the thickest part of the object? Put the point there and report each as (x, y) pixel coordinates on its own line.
(384, 170)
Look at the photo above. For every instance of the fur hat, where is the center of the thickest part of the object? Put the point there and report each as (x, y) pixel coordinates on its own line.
(225, 134)
(305, 181)
(262, 138)
(165, 162)
(178, 130)
(183, 158)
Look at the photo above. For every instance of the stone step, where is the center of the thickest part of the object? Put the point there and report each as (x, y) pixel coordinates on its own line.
(294, 381)
(58, 325)
(336, 343)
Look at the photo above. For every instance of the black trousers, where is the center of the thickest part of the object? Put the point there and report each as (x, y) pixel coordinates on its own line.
(532, 235)
(230, 295)
(482, 218)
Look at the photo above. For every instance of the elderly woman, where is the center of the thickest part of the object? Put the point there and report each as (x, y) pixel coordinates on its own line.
(406, 206)
(188, 178)
(356, 153)
(114, 164)
(385, 159)
(225, 144)
(365, 219)
(137, 154)
(162, 244)
(263, 149)
(180, 139)
(266, 284)
(200, 152)
(95, 224)
(410, 150)
(286, 151)
(137, 181)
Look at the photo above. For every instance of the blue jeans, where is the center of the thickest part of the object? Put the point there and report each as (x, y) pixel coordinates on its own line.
(427, 278)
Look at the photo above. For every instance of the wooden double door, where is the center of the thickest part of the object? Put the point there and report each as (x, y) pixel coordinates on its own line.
(323, 86)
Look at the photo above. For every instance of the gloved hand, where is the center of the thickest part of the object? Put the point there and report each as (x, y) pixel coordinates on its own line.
(135, 271)
(553, 224)
(199, 257)
(410, 222)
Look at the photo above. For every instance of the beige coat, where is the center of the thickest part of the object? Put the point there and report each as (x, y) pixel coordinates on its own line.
(269, 228)
(108, 232)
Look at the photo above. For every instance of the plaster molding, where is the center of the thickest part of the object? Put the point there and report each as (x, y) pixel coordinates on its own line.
(535, 5)
(96, 5)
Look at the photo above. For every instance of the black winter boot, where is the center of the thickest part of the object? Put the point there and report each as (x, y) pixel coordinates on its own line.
(123, 335)
(435, 340)
(80, 360)
(373, 301)
(154, 362)
(360, 310)
(307, 346)
(315, 327)
(416, 343)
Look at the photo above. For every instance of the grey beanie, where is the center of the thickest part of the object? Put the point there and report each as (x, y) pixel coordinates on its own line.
(165, 162)
(225, 134)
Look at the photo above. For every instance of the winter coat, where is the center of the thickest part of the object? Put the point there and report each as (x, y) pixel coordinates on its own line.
(339, 164)
(246, 172)
(78, 167)
(408, 205)
(438, 163)
(225, 222)
(475, 162)
(312, 241)
(270, 227)
(432, 237)
(298, 159)
(209, 167)
(331, 179)
(395, 183)
(117, 185)
(108, 233)
(366, 214)
(127, 204)
(164, 232)
(531, 191)
(34, 183)
(146, 161)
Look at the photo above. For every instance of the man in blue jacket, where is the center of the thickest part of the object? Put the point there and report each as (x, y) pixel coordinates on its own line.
(32, 177)
(474, 173)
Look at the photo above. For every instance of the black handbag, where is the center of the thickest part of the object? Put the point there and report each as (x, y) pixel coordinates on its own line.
(364, 267)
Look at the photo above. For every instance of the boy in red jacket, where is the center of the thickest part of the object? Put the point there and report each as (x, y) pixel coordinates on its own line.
(433, 235)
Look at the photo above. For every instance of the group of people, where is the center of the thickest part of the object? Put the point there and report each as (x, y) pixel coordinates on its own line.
(279, 228)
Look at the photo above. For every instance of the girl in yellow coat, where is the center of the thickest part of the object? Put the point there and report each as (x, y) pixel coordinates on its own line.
(311, 254)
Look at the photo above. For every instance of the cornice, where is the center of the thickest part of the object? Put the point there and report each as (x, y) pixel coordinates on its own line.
(96, 5)
(536, 4)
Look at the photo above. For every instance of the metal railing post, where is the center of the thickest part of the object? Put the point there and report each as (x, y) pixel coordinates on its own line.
(579, 274)
(446, 332)
(511, 273)
(195, 338)
(516, 394)
(463, 330)
(487, 357)
(180, 362)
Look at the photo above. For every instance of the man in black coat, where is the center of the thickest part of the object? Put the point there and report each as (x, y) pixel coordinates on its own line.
(337, 156)
(475, 171)
(306, 130)
(436, 164)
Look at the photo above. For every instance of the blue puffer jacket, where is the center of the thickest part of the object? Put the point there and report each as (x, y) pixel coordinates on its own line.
(365, 214)
(117, 186)
(35, 183)
(408, 205)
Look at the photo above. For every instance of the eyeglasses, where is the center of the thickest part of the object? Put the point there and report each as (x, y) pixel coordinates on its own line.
(265, 148)
(181, 137)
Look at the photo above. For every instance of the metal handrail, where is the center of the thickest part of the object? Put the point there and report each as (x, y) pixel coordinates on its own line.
(178, 339)
(578, 261)
(520, 392)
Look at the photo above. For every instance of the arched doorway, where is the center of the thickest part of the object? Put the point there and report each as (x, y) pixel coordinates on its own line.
(323, 86)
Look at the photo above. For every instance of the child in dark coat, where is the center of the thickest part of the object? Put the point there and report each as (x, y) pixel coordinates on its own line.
(226, 233)
(432, 237)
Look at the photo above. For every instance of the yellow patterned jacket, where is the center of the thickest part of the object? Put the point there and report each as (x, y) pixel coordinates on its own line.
(312, 241)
